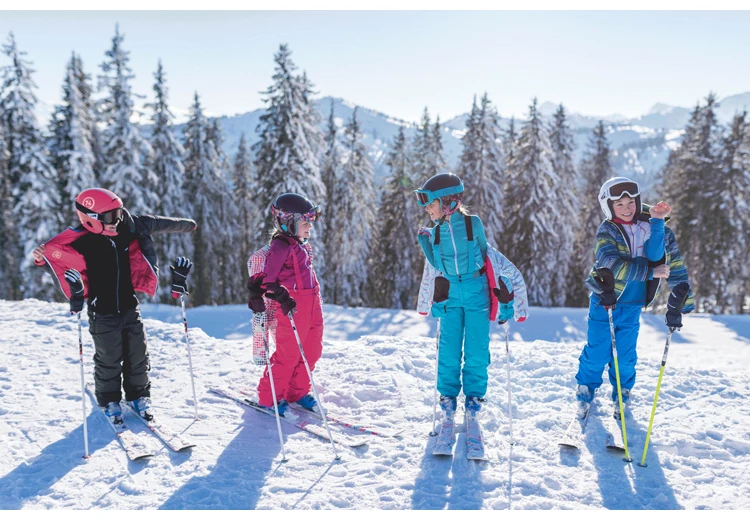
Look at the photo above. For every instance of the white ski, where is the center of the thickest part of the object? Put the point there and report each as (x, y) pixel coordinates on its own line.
(169, 437)
(573, 436)
(474, 440)
(314, 429)
(445, 440)
(136, 447)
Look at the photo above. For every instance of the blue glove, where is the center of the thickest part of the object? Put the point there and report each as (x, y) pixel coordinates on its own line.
(505, 297)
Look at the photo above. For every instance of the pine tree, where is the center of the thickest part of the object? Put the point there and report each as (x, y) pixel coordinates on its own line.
(480, 169)
(72, 143)
(286, 156)
(742, 223)
(396, 262)
(166, 163)
(728, 221)
(330, 166)
(126, 152)
(10, 279)
(203, 189)
(509, 145)
(230, 266)
(596, 168)
(689, 186)
(243, 176)
(533, 225)
(353, 215)
(30, 174)
(427, 150)
(565, 184)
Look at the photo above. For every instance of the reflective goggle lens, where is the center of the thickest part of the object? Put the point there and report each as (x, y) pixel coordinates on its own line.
(626, 188)
(423, 198)
(312, 215)
(111, 217)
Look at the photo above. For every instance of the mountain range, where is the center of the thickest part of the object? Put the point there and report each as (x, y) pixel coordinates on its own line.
(640, 146)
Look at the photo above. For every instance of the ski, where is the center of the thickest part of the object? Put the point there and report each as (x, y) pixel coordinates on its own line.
(312, 428)
(136, 447)
(348, 423)
(164, 433)
(613, 427)
(474, 440)
(573, 436)
(444, 442)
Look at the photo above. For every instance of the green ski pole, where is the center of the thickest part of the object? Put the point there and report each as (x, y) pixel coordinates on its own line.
(619, 389)
(642, 463)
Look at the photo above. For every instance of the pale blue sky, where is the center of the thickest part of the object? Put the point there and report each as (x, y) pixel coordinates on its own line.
(596, 63)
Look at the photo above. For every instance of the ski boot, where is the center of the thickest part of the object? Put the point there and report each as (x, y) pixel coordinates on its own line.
(142, 406)
(113, 412)
(284, 409)
(625, 399)
(584, 397)
(448, 405)
(473, 404)
(309, 403)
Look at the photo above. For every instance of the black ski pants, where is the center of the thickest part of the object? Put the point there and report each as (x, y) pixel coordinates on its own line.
(121, 356)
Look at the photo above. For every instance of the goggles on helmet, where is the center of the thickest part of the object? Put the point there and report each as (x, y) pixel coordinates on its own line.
(108, 217)
(311, 216)
(425, 197)
(617, 191)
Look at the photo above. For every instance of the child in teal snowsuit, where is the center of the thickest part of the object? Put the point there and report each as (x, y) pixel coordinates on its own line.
(635, 246)
(465, 313)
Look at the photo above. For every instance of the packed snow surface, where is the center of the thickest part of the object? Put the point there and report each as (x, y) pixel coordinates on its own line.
(377, 368)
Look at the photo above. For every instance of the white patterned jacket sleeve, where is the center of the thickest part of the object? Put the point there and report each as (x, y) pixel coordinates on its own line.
(503, 266)
(427, 289)
(255, 264)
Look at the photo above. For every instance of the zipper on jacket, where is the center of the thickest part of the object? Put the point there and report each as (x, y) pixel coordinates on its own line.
(455, 251)
(117, 287)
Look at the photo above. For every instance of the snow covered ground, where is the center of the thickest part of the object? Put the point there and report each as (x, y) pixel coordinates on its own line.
(378, 367)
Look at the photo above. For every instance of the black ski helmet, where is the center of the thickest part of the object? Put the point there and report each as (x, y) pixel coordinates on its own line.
(290, 208)
(444, 186)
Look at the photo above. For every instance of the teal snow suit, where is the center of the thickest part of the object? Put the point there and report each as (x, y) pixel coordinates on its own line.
(465, 315)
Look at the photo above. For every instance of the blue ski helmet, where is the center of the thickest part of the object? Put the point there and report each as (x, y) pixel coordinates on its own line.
(444, 186)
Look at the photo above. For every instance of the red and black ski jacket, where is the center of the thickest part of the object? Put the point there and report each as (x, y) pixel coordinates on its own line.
(113, 268)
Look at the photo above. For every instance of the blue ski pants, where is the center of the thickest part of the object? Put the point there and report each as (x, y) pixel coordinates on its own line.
(464, 335)
(597, 353)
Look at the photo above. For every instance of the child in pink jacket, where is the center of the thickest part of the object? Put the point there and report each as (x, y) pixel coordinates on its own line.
(290, 279)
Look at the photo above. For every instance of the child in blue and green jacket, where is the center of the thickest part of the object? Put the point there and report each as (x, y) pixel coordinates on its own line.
(457, 247)
(634, 244)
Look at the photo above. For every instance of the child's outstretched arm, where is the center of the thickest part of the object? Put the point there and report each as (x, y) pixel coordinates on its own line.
(677, 270)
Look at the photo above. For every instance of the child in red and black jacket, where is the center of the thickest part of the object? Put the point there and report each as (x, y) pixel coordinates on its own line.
(105, 260)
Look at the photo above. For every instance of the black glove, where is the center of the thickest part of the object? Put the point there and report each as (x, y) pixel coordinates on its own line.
(505, 298)
(180, 269)
(278, 292)
(606, 281)
(254, 286)
(674, 306)
(75, 282)
(442, 286)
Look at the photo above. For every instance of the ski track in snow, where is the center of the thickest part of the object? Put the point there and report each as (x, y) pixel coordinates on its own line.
(377, 366)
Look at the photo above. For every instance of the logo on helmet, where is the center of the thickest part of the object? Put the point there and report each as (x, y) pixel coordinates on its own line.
(88, 202)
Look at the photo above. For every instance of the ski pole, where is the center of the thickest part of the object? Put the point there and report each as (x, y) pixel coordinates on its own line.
(273, 387)
(190, 355)
(619, 388)
(83, 391)
(312, 383)
(434, 389)
(642, 463)
(507, 364)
